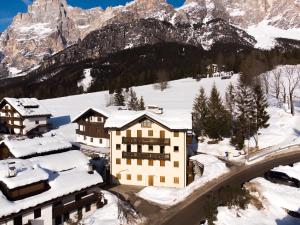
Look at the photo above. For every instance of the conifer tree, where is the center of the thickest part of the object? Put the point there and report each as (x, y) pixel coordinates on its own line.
(119, 98)
(141, 104)
(133, 102)
(230, 104)
(218, 118)
(200, 113)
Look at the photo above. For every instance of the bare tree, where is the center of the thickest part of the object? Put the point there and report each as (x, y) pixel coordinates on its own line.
(266, 81)
(275, 81)
(283, 92)
(293, 81)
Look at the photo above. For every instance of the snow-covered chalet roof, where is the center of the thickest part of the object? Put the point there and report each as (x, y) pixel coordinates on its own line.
(67, 174)
(27, 107)
(101, 111)
(23, 147)
(173, 120)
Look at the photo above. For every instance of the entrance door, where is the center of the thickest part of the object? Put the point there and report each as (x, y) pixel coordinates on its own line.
(150, 181)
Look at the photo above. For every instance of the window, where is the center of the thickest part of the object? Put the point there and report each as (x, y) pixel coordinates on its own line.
(139, 133)
(118, 161)
(176, 134)
(176, 164)
(162, 149)
(118, 147)
(37, 213)
(139, 177)
(118, 132)
(58, 220)
(118, 176)
(128, 161)
(150, 162)
(162, 179)
(128, 133)
(150, 148)
(162, 134)
(84, 138)
(99, 119)
(139, 162)
(100, 141)
(128, 148)
(146, 124)
(88, 208)
(176, 149)
(128, 176)
(66, 217)
(37, 122)
(92, 139)
(162, 163)
(139, 148)
(150, 133)
(18, 220)
(176, 180)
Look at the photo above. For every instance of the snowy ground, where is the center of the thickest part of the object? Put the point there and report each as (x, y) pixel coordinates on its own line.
(213, 168)
(114, 213)
(275, 199)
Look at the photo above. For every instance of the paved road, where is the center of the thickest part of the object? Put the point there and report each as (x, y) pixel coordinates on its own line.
(189, 211)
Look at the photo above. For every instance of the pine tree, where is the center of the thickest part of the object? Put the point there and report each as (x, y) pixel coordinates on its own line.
(199, 113)
(119, 98)
(230, 104)
(133, 102)
(218, 119)
(141, 104)
(260, 114)
(244, 124)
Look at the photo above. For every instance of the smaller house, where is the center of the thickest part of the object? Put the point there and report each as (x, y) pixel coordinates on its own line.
(20, 147)
(23, 116)
(91, 130)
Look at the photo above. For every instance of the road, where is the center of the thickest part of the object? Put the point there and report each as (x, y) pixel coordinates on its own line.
(189, 211)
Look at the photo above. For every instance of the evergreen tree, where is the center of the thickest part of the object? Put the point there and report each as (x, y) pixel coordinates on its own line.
(244, 124)
(141, 104)
(133, 102)
(260, 114)
(230, 104)
(218, 119)
(200, 113)
(119, 98)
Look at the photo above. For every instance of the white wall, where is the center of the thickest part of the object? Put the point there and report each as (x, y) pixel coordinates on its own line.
(95, 143)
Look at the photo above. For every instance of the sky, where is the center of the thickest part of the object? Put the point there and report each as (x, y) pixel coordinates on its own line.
(9, 8)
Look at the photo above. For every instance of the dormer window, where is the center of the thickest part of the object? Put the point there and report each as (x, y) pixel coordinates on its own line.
(146, 124)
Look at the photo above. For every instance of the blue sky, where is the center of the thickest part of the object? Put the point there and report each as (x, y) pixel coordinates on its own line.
(9, 8)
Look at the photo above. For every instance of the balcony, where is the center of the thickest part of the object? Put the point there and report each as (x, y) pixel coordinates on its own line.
(146, 141)
(95, 130)
(141, 155)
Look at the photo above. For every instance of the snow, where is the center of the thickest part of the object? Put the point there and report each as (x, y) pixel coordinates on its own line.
(64, 182)
(265, 34)
(87, 81)
(109, 214)
(21, 147)
(213, 168)
(26, 173)
(275, 199)
(37, 30)
(101, 111)
(34, 108)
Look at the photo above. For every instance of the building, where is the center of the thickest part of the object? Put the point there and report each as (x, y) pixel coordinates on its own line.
(48, 190)
(22, 147)
(23, 116)
(91, 130)
(149, 149)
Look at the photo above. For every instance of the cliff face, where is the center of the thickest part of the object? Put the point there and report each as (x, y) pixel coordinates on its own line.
(51, 25)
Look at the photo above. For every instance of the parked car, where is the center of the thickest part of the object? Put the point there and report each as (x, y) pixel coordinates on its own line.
(281, 178)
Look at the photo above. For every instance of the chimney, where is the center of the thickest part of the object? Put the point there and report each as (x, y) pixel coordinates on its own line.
(12, 171)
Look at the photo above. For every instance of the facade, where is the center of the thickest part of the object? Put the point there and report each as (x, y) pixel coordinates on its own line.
(29, 195)
(23, 116)
(91, 129)
(147, 150)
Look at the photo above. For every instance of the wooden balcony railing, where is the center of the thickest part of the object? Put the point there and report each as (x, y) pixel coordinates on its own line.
(142, 155)
(146, 141)
(96, 130)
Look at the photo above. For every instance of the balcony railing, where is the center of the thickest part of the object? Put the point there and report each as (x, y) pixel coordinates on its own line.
(146, 141)
(95, 130)
(142, 155)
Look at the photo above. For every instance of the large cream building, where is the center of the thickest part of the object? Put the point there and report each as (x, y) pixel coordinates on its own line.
(148, 149)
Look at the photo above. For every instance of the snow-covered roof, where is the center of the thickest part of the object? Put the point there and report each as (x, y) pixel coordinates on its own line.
(174, 120)
(26, 173)
(101, 111)
(27, 107)
(67, 174)
(23, 147)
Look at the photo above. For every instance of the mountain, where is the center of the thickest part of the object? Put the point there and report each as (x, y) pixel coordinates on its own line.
(51, 26)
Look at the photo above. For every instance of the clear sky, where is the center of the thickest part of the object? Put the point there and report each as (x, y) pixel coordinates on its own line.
(9, 8)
